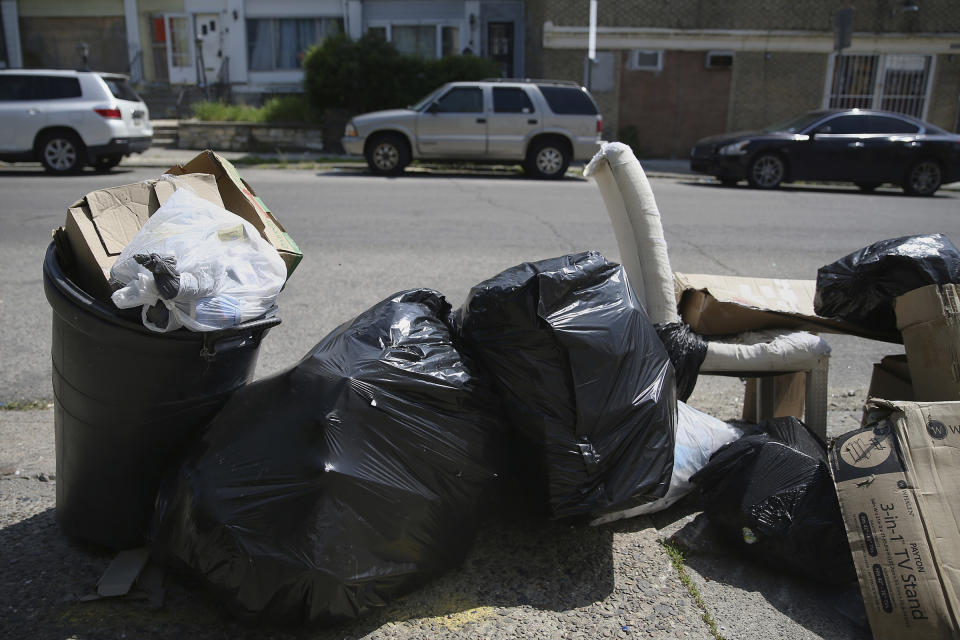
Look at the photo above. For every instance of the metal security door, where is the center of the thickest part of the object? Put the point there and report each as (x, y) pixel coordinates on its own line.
(180, 60)
(899, 83)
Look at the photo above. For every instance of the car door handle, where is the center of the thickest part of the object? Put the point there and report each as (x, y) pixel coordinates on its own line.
(855, 145)
(532, 121)
(481, 120)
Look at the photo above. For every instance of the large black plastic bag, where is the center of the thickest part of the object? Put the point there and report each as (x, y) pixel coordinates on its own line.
(343, 482)
(583, 375)
(687, 351)
(771, 495)
(862, 286)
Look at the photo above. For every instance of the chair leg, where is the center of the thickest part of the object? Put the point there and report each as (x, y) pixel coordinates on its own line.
(816, 398)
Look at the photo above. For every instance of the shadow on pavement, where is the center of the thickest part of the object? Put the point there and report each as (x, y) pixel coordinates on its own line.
(836, 190)
(445, 172)
(513, 563)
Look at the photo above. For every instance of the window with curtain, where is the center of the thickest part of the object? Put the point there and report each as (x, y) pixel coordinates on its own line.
(415, 39)
(280, 43)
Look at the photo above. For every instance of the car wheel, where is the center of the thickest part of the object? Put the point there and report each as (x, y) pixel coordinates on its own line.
(62, 152)
(728, 182)
(105, 163)
(387, 154)
(923, 178)
(766, 171)
(547, 159)
(867, 186)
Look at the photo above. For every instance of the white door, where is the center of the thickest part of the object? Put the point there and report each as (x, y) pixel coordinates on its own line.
(21, 113)
(207, 32)
(180, 56)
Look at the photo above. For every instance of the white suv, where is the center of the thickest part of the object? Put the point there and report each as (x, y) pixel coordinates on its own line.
(542, 123)
(69, 119)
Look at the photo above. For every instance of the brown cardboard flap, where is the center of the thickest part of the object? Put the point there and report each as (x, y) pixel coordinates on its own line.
(929, 320)
(724, 305)
(119, 212)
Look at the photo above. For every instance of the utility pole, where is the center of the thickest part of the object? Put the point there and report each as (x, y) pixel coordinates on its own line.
(591, 43)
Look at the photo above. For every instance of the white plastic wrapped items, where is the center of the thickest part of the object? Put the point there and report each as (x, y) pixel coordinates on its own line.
(214, 269)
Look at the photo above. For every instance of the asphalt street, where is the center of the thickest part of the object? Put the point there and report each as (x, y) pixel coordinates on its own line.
(366, 237)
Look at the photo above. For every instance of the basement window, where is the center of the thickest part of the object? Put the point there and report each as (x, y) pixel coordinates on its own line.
(645, 60)
(719, 59)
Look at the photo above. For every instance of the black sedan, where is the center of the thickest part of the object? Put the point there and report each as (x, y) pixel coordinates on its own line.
(866, 147)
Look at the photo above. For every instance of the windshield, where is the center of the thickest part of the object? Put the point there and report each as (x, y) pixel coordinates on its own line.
(425, 101)
(795, 124)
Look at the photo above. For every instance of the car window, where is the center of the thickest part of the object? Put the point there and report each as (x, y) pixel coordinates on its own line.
(121, 90)
(568, 100)
(55, 88)
(461, 100)
(511, 100)
(845, 124)
(14, 87)
(796, 124)
(888, 124)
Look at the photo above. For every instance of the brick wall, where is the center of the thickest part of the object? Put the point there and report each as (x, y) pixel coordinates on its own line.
(770, 87)
(944, 110)
(673, 108)
(935, 16)
(52, 42)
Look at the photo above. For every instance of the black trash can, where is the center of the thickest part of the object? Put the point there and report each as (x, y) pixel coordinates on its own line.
(126, 400)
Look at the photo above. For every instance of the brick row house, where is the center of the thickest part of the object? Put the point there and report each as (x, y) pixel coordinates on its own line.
(665, 73)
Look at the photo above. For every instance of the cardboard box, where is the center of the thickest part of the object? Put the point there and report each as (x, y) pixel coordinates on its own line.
(898, 481)
(100, 225)
(891, 379)
(928, 320)
(725, 305)
(789, 396)
(239, 198)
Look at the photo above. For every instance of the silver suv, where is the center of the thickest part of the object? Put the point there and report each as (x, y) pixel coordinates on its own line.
(69, 119)
(542, 123)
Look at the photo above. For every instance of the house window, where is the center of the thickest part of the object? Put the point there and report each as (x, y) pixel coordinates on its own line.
(898, 83)
(424, 40)
(280, 43)
(642, 60)
(719, 59)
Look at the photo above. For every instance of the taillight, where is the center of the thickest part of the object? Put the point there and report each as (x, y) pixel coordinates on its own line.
(599, 124)
(109, 113)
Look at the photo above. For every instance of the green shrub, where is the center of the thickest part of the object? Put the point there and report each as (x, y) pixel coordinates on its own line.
(223, 112)
(293, 108)
(370, 74)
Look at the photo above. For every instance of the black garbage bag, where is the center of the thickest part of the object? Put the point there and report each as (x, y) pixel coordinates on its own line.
(771, 495)
(582, 375)
(343, 482)
(862, 286)
(687, 350)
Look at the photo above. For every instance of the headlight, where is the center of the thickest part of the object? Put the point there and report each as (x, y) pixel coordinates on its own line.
(350, 131)
(735, 149)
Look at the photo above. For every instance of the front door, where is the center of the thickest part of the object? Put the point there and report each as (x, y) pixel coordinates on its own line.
(454, 125)
(207, 30)
(836, 150)
(180, 61)
(22, 114)
(500, 46)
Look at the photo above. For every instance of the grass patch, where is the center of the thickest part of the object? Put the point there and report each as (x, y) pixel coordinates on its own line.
(25, 405)
(676, 557)
(277, 109)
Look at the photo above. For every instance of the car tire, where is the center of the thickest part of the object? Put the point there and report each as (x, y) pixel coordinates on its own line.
(728, 182)
(767, 171)
(923, 178)
(387, 154)
(867, 187)
(62, 152)
(548, 160)
(105, 163)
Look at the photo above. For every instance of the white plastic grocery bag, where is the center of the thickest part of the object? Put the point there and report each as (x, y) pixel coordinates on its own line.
(218, 273)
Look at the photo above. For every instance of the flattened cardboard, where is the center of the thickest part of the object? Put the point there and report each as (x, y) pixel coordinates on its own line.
(239, 198)
(898, 481)
(724, 305)
(928, 320)
(891, 379)
(100, 225)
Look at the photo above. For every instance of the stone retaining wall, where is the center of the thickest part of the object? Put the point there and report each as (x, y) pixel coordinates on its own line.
(250, 136)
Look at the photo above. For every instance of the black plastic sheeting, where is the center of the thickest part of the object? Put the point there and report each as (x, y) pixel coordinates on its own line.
(343, 482)
(862, 286)
(771, 495)
(582, 375)
(687, 351)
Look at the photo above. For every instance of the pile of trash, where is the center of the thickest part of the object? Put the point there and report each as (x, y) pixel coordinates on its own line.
(364, 470)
